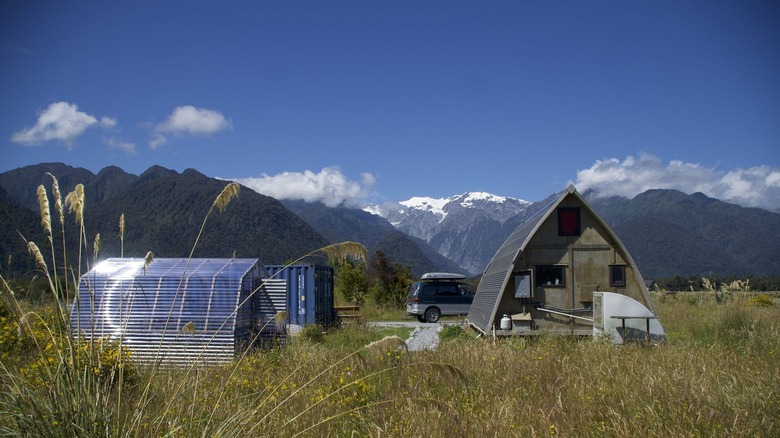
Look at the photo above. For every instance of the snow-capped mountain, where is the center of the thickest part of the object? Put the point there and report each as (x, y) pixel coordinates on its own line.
(465, 228)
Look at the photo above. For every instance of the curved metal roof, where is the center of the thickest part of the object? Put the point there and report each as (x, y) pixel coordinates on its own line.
(483, 308)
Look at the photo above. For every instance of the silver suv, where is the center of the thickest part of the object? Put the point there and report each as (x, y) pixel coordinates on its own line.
(437, 294)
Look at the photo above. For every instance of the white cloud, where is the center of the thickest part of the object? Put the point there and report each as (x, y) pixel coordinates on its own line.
(773, 179)
(753, 187)
(329, 186)
(157, 141)
(125, 146)
(107, 122)
(188, 120)
(60, 121)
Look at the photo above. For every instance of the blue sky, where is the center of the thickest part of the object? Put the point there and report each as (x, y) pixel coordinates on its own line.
(371, 101)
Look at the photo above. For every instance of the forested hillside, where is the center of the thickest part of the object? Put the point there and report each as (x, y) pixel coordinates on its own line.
(163, 213)
(164, 210)
(376, 233)
(669, 232)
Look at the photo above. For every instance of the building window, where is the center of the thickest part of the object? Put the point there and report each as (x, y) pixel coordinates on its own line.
(569, 221)
(617, 275)
(523, 287)
(551, 276)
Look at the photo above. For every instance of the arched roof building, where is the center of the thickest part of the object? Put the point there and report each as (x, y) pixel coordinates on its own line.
(546, 274)
(176, 310)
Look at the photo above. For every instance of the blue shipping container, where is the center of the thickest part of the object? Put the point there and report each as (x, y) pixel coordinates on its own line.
(309, 293)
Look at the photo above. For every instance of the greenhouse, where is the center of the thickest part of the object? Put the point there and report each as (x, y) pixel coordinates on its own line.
(178, 310)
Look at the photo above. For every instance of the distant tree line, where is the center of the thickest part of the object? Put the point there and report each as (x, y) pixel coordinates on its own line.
(764, 283)
(381, 281)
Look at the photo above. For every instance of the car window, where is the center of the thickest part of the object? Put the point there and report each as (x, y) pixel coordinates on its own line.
(448, 289)
(428, 290)
(466, 289)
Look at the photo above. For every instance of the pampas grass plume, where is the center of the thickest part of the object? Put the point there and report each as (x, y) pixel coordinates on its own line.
(229, 192)
(55, 191)
(345, 250)
(148, 260)
(96, 245)
(24, 324)
(386, 343)
(33, 249)
(43, 203)
(188, 328)
(122, 235)
(75, 202)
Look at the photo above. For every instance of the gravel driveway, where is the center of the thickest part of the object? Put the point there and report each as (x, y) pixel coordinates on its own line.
(425, 336)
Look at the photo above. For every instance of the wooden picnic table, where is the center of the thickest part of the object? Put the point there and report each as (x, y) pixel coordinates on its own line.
(348, 312)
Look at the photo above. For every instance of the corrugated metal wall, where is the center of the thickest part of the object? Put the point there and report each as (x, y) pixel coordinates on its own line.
(270, 311)
(309, 293)
(174, 310)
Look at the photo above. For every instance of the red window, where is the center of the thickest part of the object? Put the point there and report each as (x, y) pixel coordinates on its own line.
(569, 221)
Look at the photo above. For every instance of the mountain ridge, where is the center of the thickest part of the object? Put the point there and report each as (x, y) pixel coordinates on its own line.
(463, 228)
(163, 213)
(667, 232)
(374, 232)
(164, 209)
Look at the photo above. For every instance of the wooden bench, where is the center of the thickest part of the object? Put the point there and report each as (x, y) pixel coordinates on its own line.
(347, 313)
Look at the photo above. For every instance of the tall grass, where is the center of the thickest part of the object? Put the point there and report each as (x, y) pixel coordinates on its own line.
(717, 377)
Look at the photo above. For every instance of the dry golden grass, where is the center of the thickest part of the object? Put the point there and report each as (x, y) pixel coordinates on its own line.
(717, 377)
(122, 235)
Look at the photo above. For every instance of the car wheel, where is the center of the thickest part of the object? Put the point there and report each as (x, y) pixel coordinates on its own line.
(432, 315)
(420, 318)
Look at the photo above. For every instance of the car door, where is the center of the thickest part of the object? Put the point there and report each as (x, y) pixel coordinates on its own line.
(448, 296)
(466, 297)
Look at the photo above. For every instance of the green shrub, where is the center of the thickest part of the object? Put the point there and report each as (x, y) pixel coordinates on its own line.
(313, 333)
(103, 359)
(761, 300)
(450, 332)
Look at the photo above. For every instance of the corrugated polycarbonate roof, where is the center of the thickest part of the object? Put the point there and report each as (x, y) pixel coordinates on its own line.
(172, 310)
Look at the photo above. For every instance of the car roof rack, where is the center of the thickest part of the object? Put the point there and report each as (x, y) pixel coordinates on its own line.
(442, 276)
